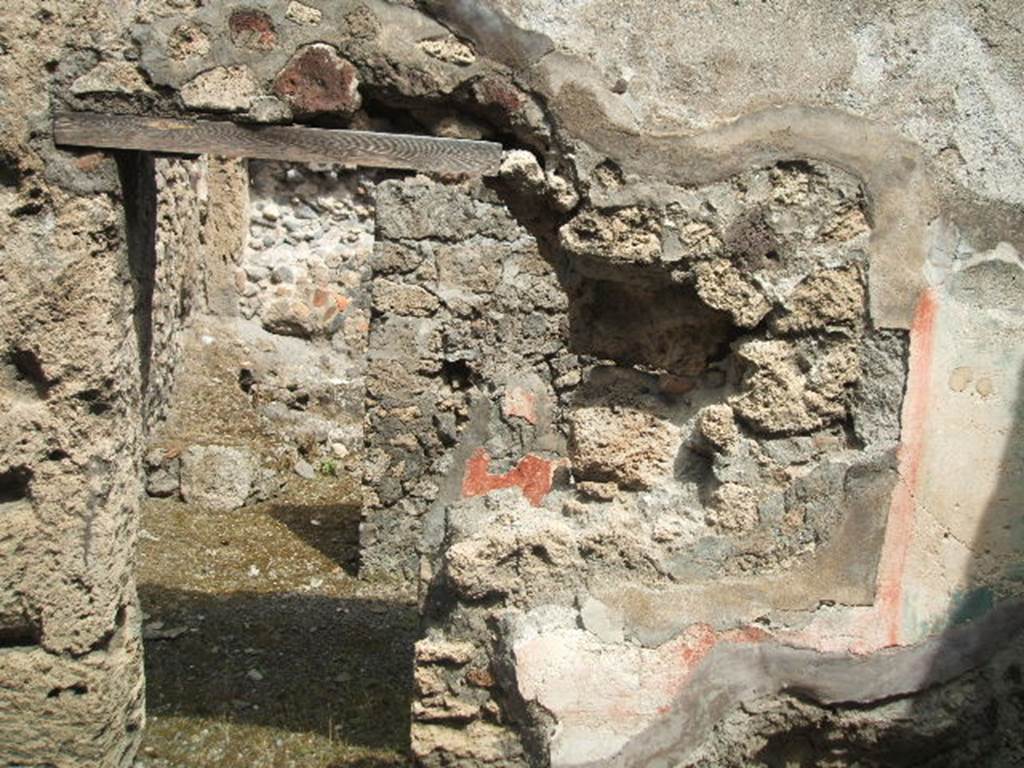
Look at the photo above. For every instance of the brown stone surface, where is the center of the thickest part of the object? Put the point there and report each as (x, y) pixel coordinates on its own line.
(826, 299)
(222, 89)
(317, 81)
(622, 445)
(252, 29)
(721, 286)
(625, 235)
(783, 395)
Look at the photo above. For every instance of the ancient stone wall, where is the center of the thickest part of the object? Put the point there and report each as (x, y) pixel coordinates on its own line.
(468, 320)
(698, 427)
(71, 430)
(711, 418)
(80, 391)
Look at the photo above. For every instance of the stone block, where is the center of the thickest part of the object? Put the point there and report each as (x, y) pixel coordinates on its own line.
(217, 477)
(222, 89)
(317, 81)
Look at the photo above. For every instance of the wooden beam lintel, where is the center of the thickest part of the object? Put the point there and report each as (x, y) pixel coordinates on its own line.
(300, 144)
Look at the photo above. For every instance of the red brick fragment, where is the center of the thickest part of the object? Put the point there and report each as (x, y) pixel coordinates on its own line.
(317, 81)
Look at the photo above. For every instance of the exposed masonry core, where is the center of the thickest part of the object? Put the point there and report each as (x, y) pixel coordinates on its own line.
(677, 371)
(686, 405)
(649, 421)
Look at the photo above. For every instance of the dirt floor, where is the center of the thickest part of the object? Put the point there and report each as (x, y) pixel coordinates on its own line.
(262, 649)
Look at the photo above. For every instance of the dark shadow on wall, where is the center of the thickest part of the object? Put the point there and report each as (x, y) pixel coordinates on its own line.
(138, 188)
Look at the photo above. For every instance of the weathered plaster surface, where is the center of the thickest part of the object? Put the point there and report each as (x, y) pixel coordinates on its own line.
(947, 76)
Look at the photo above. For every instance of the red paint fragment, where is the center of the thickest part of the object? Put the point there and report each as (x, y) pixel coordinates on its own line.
(700, 639)
(532, 475)
(689, 650)
(747, 634)
(522, 403)
(900, 528)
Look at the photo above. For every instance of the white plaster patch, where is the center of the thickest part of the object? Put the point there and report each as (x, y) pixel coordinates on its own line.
(869, 70)
(989, 127)
(601, 693)
(301, 13)
(968, 488)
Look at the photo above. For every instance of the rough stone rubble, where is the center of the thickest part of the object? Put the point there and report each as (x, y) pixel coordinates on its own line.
(651, 421)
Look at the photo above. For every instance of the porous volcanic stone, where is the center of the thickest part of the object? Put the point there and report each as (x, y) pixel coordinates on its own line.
(222, 89)
(317, 81)
(217, 477)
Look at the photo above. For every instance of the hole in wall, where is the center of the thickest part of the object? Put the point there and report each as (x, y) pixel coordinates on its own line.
(34, 206)
(96, 404)
(29, 369)
(457, 374)
(22, 636)
(1013, 674)
(246, 380)
(296, 399)
(78, 689)
(15, 493)
(10, 170)
(650, 327)
(15, 485)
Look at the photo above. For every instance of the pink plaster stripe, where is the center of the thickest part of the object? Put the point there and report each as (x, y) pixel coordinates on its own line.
(899, 531)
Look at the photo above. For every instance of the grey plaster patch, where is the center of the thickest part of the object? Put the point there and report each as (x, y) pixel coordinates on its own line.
(601, 620)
